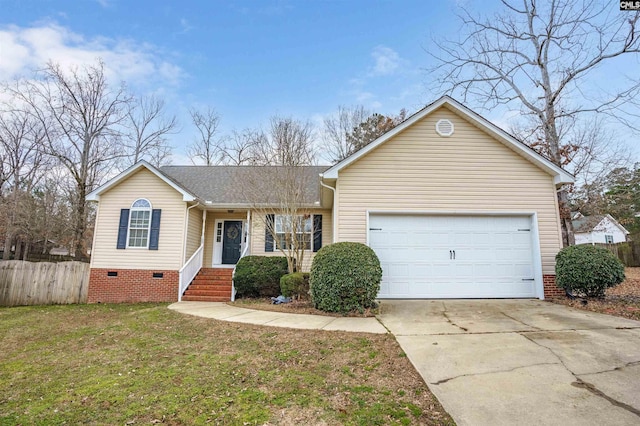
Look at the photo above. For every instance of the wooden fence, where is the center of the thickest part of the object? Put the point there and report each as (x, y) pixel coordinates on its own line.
(628, 253)
(43, 283)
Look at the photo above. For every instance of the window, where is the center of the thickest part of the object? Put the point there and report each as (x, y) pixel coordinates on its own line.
(608, 239)
(139, 223)
(287, 226)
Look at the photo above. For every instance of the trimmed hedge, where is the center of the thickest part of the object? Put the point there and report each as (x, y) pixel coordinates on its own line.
(295, 285)
(345, 277)
(259, 275)
(588, 270)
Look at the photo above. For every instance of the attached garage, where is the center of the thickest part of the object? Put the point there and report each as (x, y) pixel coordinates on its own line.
(455, 256)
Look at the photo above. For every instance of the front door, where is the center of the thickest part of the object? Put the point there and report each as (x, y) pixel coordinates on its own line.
(231, 242)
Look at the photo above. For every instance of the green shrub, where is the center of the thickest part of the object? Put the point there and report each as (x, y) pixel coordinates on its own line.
(587, 270)
(345, 277)
(259, 275)
(295, 285)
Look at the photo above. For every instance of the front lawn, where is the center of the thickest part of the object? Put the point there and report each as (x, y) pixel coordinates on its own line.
(622, 300)
(145, 364)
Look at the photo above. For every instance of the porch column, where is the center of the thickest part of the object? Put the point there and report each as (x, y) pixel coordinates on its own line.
(204, 223)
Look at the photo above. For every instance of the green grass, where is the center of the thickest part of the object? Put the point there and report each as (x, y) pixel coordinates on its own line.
(145, 364)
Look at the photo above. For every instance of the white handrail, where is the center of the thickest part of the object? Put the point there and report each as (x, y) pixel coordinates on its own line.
(233, 284)
(190, 269)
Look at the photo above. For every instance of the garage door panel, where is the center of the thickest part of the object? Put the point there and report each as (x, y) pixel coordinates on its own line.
(493, 254)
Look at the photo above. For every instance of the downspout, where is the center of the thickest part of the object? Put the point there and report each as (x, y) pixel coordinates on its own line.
(333, 209)
(186, 232)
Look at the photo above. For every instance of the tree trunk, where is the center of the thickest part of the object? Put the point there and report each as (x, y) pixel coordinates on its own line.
(80, 224)
(27, 243)
(6, 255)
(18, 249)
(568, 239)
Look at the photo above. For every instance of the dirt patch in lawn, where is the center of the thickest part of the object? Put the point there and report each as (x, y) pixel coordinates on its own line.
(622, 300)
(294, 307)
(146, 364)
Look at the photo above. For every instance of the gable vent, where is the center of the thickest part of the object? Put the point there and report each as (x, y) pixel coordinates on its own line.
(444, 127)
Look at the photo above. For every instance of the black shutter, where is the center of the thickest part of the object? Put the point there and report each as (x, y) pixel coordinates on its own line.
(268, 232)
(154, 235)
(122, 229)
(317, 232)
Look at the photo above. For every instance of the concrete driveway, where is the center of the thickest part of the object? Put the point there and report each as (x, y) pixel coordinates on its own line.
(522, 362)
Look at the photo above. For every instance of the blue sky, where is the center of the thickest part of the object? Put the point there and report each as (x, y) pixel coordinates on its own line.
(247, 59)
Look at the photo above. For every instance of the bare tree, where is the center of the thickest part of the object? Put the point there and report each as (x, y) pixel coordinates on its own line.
(241, 148)
(148, 127)
(288, 142)
(540, 56)
(351, 129)
(82, 117)
(278, 186)
(280, 199)
(21, 144)
(337, 129)
(207, 145)
(588, 149)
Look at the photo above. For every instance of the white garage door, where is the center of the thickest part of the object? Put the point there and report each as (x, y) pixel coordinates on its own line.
(453, 256)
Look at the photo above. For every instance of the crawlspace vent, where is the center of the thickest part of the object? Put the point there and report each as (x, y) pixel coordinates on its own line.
(444, 127)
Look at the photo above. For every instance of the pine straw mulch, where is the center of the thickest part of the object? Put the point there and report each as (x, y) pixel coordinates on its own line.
(294, 307)
(622, 300)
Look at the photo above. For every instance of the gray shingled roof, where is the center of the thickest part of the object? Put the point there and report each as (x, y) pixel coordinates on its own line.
(243, 184)
(586, 223)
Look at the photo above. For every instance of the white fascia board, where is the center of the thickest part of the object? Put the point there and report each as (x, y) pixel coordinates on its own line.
(560, 175)
(95, 194)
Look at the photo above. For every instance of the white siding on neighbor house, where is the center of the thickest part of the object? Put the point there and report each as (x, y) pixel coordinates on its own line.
(142, 184)
(420, 171)
(599, 233)
(258, 234)
(194, 231)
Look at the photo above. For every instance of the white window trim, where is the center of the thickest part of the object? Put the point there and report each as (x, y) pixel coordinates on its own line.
(608, 237)
(275, 232)
(131, 210)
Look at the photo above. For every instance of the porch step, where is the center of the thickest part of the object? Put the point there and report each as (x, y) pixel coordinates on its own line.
(186, 298)
(215, 272)
(202, 286)
(210, 285)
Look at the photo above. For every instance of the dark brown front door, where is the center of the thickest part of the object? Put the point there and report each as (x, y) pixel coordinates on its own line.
(231, 242)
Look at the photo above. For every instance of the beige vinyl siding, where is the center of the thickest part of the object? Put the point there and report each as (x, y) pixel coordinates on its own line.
(209, 232)
(418, 170)
(257, 239)
(142, 184)
(194, 231)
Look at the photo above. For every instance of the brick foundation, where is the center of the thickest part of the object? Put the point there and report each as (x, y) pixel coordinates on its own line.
(551, 290)
(132, 285)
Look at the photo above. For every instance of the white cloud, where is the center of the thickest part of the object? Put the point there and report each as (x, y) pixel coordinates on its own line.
(387, 61)
(24, 49)
(185, 26)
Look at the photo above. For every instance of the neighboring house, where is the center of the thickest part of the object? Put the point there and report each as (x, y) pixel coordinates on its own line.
(453, 206)
(598, 229)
